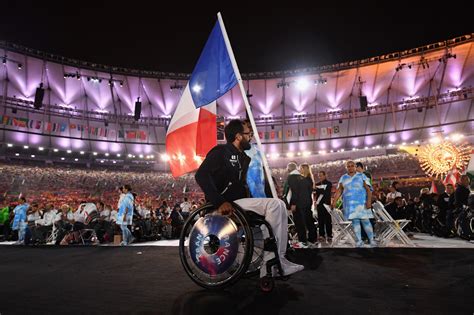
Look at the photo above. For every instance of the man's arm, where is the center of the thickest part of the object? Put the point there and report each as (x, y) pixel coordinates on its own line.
(205, 180)
(338, 194)
(368, 201)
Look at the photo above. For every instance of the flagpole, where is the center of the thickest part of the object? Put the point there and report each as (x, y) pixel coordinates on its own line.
(247, 106)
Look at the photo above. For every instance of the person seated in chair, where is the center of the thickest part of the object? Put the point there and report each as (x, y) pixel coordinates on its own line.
(222, 178)
(44, 225)
(177, 221)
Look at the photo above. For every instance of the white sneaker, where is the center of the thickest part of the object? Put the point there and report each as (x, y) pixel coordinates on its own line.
(289, 267)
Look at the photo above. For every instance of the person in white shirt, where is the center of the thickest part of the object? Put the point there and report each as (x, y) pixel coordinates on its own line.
(44, 225)
(394, 193)
(113, 216)
(185, 208)
(103, 228)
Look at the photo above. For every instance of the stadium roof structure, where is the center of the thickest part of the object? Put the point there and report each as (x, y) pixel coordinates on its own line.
(376, 102)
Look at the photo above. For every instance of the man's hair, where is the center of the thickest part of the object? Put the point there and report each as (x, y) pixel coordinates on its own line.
(359, 164)
(395, 183)
(398, 198)
(451, 185)
(22, 199)
(234, 127)
(127, 187)
(322, 172)
(101, 203)
(291, 166)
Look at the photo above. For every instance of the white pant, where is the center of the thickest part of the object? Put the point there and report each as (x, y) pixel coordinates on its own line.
(275, 213)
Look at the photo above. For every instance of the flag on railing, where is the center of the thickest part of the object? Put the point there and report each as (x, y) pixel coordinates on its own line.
(452, 177)
(433, 189)
(193, 128)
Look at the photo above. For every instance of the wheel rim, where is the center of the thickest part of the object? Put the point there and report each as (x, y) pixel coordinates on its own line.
(214, 249)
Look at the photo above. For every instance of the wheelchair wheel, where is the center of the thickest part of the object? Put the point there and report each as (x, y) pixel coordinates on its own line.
(267, 284)
(215, 250)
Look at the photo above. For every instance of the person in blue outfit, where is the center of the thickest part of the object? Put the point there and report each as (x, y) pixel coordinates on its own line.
(356, 194)
(255, 173)
(19, 221)
(125, 214)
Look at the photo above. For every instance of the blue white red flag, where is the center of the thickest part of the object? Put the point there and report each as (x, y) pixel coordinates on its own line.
(193, 128)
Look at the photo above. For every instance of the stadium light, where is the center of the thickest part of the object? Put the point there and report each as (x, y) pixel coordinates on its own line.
(17, 154)
(302, 84)
(165, 157)
(82, 152)
(55, 150)
(106, 154)
(62, 159)
(118, 155)
(25, 147)
(69, 151)
(41, 148)
(94, 153)
(76, 159)
(457, 137)
(9, 145)
(32, 155)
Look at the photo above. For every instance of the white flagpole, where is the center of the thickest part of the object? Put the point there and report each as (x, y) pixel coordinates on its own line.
(247, 106)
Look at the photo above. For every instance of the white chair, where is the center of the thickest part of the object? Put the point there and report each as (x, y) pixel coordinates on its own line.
(292, 234)
(342, 229)
(390, 228)
(51, 239)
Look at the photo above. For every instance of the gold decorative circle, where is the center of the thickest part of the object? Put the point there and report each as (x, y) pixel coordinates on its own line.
(437, 160)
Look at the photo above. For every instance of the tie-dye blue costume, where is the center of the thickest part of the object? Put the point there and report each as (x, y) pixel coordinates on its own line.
(19, 221)
(354, 197)
(255, 175)
(126, 204)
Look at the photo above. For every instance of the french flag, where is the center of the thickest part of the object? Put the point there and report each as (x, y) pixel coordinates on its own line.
(192, 131)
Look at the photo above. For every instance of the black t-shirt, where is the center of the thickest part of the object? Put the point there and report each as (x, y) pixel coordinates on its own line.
(324, 188)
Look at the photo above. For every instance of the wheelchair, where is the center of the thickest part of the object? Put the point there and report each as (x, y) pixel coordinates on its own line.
(216, 251)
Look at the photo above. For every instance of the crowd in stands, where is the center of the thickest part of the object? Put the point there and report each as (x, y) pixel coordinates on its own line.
(57, 193)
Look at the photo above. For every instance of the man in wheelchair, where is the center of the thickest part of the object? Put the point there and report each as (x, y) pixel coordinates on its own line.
(222, 177)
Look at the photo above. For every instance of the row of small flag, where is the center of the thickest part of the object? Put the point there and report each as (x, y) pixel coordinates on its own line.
(51, 127)
(293, 133)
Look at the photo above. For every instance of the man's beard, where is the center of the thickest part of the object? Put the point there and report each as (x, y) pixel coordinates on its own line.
(245, 145)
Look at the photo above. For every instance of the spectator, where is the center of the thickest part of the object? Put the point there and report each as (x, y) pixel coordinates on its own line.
(446, 204)
(185, 208)
(461, 195)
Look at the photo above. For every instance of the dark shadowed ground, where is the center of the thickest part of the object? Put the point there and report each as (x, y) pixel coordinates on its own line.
(150, 280)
